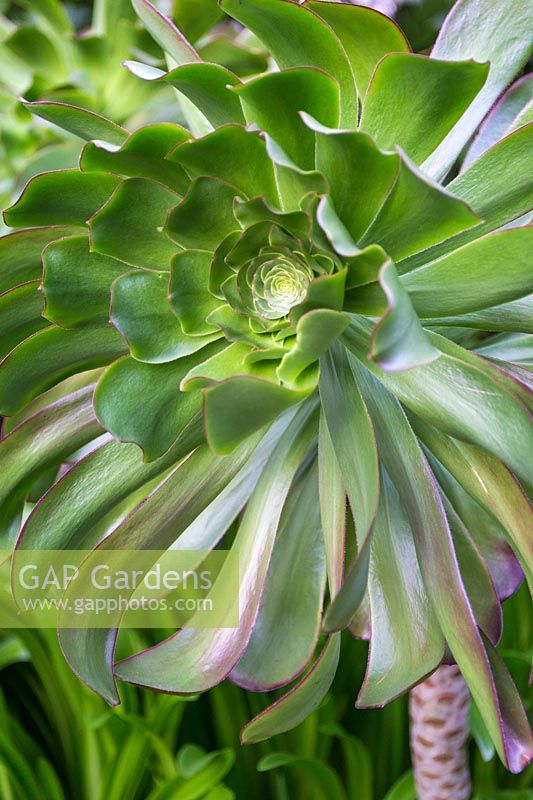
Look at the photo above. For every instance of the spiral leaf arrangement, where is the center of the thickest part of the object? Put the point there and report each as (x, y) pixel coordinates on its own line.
(286, 304)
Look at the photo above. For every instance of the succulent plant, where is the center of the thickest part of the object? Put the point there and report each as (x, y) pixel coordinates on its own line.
(44, 58)
(300, 298)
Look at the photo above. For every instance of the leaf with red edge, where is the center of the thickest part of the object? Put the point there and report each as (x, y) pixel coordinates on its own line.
(353, 438)
(401, 455)
(165, 33)
(490, 483)
(62, 197)
(195, 659)
(413, 101)
(288, 623)
(506, 51)
(406, 642)
(307, 40)
(300, 701)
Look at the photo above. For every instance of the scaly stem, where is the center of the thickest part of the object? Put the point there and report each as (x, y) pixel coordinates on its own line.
(439, 733)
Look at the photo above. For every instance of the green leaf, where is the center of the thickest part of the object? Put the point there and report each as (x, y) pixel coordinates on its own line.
(195, 121)
(293, 707)
(324, 292)
(332, 499)
(413, 101)
(129, 226)
(417, 214)
(406, 642)
(315, 332)
(20, 254)
(481, 735)
(451, 393)
(204, 217)
(49, 13)
(524, 118)
(489, 535)
(165, 33)
(174, 664)
(57, 392)
(353, 438)
(273, 102)
(79, 121)
(191, 759)
(288, 623)
(336, 232)
(80, 295)
(12, 651)
(20, 315)
(210, 526)
(296, 187)
(60, 155)
(398, 341)
(364, 267)
(501, 119)
(107, 14)
(352, 435)
(142, 403)
(205, 780)
(348, 159)
(499, 262)
(234, 155)
(486, 188)
(366, 36)
(306, 40)
(154, 524)
(190, 300)
(222, 792)
(476, 577)
(63, 197)
(51, 355)
(218, 368)
(236, 327)
(44, 440)
(235, 54)
(357, 762)
(495, 41)
(518, 386)
(515, 316)
(123, 779)
(314, 778)
(489, 482)
(140, 310)
(17, 75)
(517, 347)
(67, 517)
(15, 767)
(141, 156)
(37, 48)
(237, 407)
(401, 455)
(208, 87)
(251, 212)
(195, 17)
(403, 789)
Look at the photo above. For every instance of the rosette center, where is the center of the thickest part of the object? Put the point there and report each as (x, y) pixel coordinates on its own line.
(280, 284)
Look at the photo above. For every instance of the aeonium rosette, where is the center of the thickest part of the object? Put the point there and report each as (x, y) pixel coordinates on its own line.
(295, 298)
(263, 265)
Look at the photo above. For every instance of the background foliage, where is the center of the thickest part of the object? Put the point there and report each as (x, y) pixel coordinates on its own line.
(59, 740)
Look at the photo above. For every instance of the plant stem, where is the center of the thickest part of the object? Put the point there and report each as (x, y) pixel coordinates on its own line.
(439, 733)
